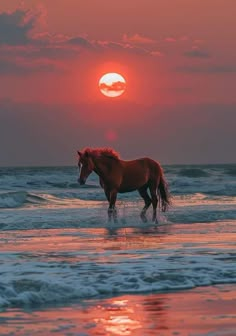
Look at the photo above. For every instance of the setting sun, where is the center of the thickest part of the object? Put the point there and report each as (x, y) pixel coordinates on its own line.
(112, 85)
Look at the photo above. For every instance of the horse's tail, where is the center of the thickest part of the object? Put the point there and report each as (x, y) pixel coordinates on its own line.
(164, 194)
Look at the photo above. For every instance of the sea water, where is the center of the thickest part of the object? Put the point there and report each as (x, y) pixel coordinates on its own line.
(58, 246)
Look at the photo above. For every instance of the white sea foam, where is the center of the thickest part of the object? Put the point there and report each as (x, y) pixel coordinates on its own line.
(33, 283)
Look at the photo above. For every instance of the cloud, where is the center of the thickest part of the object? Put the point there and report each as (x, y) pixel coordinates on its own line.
(116, 86)
(138, 39)
(80, 41)
(57, 52)
(23, 68)
(195, 52)
(22, 50)
(15, 27)
(38, 50)
(208, 69)
(117, 46)
(16, 30)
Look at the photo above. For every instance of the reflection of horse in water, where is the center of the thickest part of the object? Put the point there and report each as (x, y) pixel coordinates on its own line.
(119, 176)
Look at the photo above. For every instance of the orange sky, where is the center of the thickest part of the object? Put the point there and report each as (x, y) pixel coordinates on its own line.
(175, 55)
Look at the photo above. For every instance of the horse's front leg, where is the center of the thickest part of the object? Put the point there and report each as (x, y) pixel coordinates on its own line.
(107, 193)
(111, 197)
(112, 200)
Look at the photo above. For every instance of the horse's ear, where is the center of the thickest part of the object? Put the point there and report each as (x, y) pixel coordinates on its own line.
(79, 153)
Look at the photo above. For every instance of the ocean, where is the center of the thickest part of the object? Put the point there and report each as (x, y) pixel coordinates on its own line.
(58, 248)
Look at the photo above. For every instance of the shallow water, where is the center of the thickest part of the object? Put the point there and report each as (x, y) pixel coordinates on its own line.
(48, 266)
(58, 249)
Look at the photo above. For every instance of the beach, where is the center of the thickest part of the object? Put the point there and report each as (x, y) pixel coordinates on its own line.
(202, 311)
(67, 270)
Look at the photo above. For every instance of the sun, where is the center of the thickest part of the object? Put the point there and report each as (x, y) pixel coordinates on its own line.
(112, 85)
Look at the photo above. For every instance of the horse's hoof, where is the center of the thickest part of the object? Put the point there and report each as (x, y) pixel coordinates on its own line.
(110, 210)
(143, 217)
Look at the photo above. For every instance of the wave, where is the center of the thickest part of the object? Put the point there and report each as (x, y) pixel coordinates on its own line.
(204, 198)
(19, 198)
(60, 185)
(229, 190)
(68, 199)
(231, 171)
(193, 172)
(35, 283)
(69, 185)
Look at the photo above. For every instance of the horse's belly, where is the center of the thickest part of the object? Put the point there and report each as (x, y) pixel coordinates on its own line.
(127, 189)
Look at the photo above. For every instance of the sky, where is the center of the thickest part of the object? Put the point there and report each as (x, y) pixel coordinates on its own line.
(178, 59)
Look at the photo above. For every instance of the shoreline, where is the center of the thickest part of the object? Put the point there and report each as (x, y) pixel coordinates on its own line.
(200, 311)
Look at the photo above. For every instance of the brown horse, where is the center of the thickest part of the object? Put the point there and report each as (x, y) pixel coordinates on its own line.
(119, 176)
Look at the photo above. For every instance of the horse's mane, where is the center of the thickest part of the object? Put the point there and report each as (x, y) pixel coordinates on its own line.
(107, 152)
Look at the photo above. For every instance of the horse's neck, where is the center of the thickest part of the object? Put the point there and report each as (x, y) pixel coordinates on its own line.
(102, 167)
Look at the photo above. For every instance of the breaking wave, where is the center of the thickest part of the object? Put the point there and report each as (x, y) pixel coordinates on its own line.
(24, 199)
(19, 198)
(37, 283)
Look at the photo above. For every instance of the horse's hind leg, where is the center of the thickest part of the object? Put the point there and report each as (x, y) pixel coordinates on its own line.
(143, 193)
(153, 192)
(112, 215)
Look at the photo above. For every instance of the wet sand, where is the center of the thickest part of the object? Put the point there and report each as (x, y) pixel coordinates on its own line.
(203, 311)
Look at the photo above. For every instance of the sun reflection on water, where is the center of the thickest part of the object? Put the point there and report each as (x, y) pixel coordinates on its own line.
(117, 322)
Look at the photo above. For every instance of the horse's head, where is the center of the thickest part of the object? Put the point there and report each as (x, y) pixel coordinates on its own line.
(86, 166)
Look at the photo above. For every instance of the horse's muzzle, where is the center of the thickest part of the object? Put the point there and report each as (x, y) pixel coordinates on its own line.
(81, 181)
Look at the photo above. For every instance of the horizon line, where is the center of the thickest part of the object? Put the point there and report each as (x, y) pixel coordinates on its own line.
(70, 166)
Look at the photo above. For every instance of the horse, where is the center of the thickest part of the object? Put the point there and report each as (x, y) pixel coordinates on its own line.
(119, 176)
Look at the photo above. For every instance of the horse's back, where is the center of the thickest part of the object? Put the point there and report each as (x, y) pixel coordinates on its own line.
(137, 173)
(141, 163)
